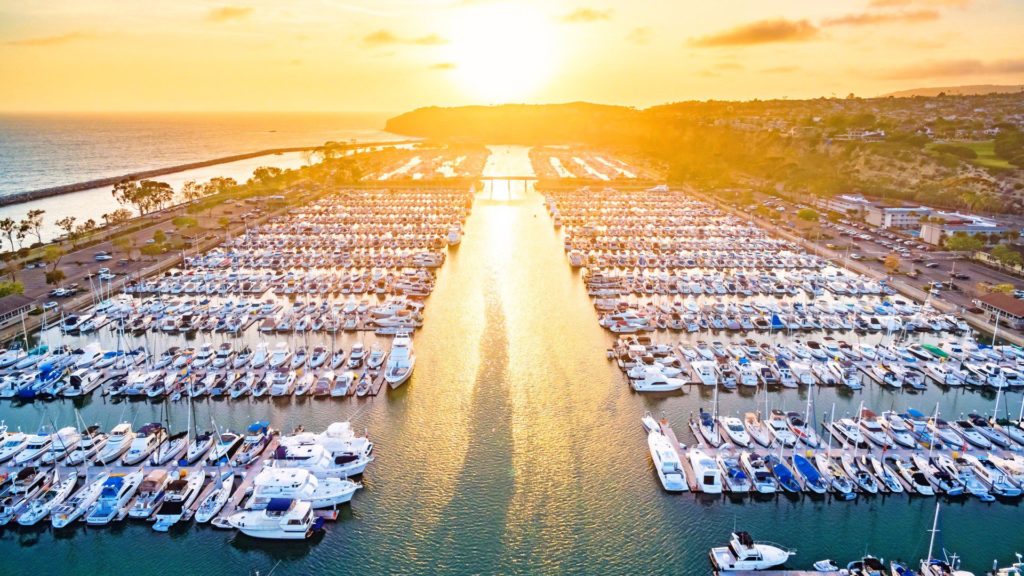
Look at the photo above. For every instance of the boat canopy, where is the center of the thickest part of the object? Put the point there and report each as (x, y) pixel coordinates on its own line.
(260, 426)
(279, 504)
(935, 350)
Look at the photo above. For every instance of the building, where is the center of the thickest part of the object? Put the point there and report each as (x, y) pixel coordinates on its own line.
(12, 307)
(1009, 309)
(898, 217)
(935, 233)
(849, 204)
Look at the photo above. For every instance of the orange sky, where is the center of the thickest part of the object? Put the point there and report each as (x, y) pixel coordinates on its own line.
(394, 55)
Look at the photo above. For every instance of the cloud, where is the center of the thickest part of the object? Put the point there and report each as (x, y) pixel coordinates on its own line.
(386, 38)
(228, 14)
(934, 69)
(760, 32)
(443, 66)
(585, 15)
(781, 69)
(51, 40)
(731, 66)
(868, 18)
(640, 36)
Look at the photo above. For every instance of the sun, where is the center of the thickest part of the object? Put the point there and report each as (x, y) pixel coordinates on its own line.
(502, 52)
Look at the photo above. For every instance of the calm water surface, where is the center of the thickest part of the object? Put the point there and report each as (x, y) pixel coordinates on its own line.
(516, 448)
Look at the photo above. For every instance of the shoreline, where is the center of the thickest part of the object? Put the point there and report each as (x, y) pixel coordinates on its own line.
(51, 191)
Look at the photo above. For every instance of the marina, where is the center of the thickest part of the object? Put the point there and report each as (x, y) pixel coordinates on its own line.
(518, 350)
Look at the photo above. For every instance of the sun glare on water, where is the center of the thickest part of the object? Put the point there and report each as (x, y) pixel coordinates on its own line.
(502, 52)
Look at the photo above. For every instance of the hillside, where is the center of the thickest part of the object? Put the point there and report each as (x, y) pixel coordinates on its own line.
(958, 90)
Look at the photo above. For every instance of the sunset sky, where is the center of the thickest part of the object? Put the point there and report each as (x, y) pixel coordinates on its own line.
(394, 55)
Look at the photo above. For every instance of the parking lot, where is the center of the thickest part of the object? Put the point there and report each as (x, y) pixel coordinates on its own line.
(952, 277)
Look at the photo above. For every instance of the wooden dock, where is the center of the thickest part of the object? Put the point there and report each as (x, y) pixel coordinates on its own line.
(248, 474)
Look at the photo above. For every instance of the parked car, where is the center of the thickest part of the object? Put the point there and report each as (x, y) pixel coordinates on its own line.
(51, 305)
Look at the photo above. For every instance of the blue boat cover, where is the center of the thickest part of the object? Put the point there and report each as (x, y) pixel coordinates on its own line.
(279, 504)
(258, 426)
(915, 413)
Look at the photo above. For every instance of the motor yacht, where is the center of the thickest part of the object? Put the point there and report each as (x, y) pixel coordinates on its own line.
(146, 440)
(119, 441)
(400, 361)
(117, 492)
(705, 470)
(181, 492)
(666, 462)
(282, 519)
(744, 554)
(300, 484)
(151, 494)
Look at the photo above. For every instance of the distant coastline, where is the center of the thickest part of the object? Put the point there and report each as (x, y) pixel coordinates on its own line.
(20, 197)
(109, 181)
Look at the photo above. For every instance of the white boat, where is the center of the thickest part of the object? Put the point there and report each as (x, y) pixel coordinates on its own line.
(778, 425)
(282, 519)
(296, 483)
(151, 494)
(118, 442)
(744, 554)
(256, 438)
(223, 447)
(92, 442)
(73, 508)
(734, 477)
(758, 429)
(82, 382)
(118, 490)
(757, 470)
(259, 356)
(181, 493)
(13, 443)
(337, 452)
(705, 471)
(401, 361)
(41, 506)
(735, 430)
(215, 501)
(37, 445)
(146, 441)
(705, 372)
(656, 381)
(666, 463)
(282, 382)
(376, 358)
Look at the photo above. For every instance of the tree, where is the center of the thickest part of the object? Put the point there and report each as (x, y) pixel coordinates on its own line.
(8, 288)
(8, 227)
(52, 255)
(128, 192)
(264, 174)
(1006, 255)
(55, 276)
(219, 185)
(892, 263)
(224, 221)
(962, 242)
(158, 194)
(67, 224)
(192, 191)
(807, 215)
(34, 222)
(159, 237)
(119, 216)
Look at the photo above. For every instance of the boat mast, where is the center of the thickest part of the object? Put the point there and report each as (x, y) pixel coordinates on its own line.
(934, 530)
(832, 424)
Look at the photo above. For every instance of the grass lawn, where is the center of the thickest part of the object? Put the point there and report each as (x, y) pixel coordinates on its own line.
(987, 155)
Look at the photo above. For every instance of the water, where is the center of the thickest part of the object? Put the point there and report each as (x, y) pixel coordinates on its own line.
(516, 448)
(41, 151)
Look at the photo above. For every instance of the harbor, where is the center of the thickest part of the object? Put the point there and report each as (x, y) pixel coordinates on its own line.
(515, 441)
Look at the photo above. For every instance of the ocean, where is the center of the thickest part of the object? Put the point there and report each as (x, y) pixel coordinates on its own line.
(45, 150)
